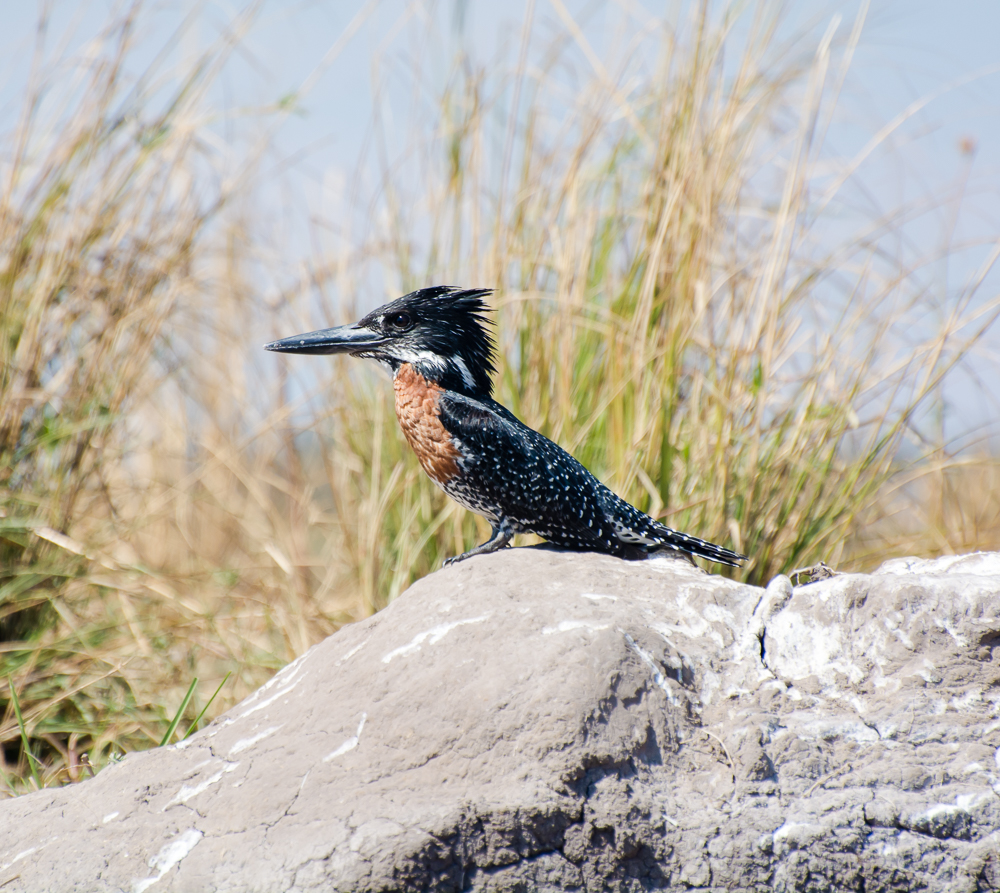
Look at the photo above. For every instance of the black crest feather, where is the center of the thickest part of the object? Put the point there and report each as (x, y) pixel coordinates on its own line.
(450, 322)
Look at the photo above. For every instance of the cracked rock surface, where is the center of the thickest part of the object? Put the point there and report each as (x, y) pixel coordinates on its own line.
(541, 720)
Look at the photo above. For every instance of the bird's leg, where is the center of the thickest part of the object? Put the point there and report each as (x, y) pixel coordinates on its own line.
(502, 535)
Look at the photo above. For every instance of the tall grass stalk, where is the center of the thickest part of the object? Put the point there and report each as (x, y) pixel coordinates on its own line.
(106, 194)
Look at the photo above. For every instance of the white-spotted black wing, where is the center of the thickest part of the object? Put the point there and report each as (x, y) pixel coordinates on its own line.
(513, 475)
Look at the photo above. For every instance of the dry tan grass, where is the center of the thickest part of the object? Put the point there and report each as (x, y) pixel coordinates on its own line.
(938, 508)
(178, 504)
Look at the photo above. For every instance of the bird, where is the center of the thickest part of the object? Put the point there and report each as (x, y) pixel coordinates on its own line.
(438, 346)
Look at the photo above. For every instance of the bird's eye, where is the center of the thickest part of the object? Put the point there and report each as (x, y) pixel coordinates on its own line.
(400, 320)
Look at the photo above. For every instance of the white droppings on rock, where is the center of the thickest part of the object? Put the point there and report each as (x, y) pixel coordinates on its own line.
(964, 803)
(960, 640)
(893, 626)
(21, 855)
(929, 673)
(658, 678)
(285, 675)
(349, 744)
(431, 637)
(285, 678)
(245, 743)
(565, 626)
(267, 702)
(972, 698)
(169, 856)
(799, 646)
(353, 651)
(695, 627)
(596, 597)
(188, 791)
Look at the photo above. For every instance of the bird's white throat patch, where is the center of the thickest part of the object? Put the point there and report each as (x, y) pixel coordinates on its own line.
(418, 358)
(426, 359)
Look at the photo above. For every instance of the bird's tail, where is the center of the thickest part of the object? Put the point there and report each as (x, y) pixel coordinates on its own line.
(682, 542)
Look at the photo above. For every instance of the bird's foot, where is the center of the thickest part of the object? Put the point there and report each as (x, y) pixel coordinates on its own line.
(501, 539)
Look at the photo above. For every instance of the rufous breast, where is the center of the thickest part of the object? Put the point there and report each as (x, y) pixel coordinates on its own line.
(420, 418)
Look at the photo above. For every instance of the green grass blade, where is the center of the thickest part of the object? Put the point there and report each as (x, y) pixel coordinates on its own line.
(194, 726)
(180, 712)
(32, 760)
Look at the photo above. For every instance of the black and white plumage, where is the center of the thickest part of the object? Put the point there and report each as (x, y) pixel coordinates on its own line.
(437, 345)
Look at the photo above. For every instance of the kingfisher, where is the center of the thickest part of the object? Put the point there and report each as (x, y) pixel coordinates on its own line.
(437, 344)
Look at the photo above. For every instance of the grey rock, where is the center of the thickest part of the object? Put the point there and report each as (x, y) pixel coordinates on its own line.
(540, 720)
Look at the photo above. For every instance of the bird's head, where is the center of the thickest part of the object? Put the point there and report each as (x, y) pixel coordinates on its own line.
(441, 331)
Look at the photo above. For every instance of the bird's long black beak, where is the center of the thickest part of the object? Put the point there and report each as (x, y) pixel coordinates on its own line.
(342, 339)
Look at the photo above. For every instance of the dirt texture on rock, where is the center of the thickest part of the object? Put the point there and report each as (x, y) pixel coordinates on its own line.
(542, 720)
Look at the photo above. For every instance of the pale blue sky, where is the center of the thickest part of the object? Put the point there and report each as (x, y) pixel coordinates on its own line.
(909, 50)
